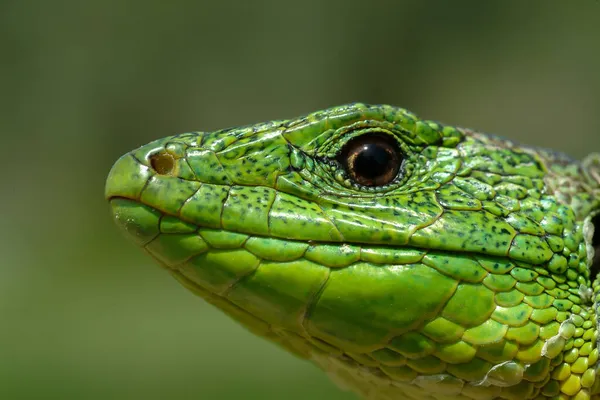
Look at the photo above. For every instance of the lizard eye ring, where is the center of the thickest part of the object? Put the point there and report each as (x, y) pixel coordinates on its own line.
(371, 159)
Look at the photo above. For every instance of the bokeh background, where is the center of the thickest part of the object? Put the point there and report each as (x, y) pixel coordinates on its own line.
(86, 315)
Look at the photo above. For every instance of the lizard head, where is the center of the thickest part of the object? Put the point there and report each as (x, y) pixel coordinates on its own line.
(401, 255)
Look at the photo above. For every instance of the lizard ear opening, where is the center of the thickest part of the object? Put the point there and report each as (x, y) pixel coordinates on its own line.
(595, 266)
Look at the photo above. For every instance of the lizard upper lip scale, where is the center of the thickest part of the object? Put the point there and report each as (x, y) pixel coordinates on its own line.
(406, 258)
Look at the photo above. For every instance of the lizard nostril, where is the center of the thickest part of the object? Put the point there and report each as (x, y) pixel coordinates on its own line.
(595, 268)
(162, 162)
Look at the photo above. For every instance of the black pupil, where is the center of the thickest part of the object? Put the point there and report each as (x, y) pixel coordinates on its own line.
(372, 161)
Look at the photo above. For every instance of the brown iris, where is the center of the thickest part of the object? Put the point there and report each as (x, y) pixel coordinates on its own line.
(371, 159)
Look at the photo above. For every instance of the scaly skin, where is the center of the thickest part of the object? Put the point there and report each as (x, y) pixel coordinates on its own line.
(469, 276)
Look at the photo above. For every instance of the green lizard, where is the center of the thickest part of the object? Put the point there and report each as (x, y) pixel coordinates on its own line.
(406, 258)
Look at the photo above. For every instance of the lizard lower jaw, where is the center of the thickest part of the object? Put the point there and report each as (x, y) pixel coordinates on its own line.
(139, 222)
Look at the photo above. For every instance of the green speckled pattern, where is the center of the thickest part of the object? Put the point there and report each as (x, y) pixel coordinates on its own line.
(468, 277)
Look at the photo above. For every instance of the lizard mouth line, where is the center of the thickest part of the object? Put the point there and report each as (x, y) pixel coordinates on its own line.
(362, 244)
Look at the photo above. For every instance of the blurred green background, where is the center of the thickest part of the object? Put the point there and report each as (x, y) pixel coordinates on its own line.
(86, 315)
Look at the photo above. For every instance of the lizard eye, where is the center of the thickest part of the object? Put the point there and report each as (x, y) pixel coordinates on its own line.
(371, 159)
